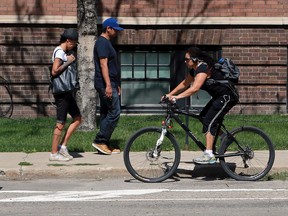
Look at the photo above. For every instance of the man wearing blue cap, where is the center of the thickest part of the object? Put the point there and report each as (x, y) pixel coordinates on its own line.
(107, 84)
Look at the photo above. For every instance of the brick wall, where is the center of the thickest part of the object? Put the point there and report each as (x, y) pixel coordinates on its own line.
(194, 8)
(27, 40)
(39, 7)
(25, 57)
(146, 8)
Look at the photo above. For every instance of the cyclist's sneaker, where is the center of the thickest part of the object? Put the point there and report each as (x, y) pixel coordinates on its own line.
(205, 159)
(58, 157)
(65, 153)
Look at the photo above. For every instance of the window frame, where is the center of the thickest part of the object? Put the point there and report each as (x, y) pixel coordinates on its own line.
(173, 80)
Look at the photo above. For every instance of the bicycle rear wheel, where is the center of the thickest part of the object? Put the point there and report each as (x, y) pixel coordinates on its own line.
(248, 155)
(147, 162)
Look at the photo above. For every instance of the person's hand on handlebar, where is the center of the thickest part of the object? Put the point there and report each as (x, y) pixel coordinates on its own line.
(171, 98)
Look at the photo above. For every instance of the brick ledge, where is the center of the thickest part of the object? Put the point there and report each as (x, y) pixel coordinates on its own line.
(25, 19)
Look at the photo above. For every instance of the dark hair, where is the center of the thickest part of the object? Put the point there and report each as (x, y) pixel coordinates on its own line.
(197, 54)
(62, 39)
(104, 29)
(70, 33)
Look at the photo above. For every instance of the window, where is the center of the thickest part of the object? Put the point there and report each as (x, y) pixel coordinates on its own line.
(148, 72)
(145, 77)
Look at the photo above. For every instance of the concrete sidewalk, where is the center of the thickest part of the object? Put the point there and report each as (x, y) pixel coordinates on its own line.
(94, 165)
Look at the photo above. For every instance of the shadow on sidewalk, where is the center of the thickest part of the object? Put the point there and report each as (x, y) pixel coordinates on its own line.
(207, 172)
(76, 155)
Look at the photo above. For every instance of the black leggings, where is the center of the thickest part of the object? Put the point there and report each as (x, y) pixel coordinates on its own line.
(214, 112)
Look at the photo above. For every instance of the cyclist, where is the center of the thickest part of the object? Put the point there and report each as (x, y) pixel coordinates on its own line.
(202, 75)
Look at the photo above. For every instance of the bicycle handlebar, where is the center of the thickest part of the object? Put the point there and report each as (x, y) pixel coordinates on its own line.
(173, 106)
(166, 100)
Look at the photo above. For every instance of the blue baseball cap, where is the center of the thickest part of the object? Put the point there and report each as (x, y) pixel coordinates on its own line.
(112, 23)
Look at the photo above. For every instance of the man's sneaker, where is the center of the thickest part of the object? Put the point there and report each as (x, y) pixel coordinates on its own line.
(65, 153)
(205, 159)
(115, 150)
(58, 157)
(103, 148)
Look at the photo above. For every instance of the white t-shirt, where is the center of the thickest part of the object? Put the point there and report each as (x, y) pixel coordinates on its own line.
(59, 53)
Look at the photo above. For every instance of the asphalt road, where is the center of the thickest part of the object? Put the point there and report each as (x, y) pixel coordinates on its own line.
(124, 196)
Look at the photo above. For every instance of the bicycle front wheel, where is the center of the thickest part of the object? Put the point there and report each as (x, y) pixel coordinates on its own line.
(148, 161)
(248, 155)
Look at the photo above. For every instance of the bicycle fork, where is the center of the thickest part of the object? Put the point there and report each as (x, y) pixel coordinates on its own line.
(157, 148)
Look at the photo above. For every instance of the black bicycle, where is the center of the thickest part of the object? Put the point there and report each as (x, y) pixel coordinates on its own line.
(246, 153)
(6, 99)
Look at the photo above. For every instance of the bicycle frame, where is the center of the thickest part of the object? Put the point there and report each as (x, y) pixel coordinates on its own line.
(172, 114)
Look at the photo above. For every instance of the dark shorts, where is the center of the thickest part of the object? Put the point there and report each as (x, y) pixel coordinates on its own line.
(66, 104)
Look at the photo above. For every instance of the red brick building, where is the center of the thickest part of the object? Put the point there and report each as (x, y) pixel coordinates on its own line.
(251, 32)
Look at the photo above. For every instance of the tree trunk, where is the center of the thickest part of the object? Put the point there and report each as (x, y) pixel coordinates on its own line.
(87, 28)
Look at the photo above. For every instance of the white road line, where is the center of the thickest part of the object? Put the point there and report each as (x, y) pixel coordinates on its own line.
(191, 199)
(230, 190)
(73, 196)
(70, 196)
(25, 191)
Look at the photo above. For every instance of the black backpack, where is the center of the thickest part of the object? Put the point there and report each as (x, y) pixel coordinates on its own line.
(231, 75)
(229, 70)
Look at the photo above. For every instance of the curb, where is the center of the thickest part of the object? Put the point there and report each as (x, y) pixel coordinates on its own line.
(90, 172)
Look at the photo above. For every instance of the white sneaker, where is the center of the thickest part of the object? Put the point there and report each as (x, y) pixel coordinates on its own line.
(205, 159)
(58, 157)
(65, 153)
